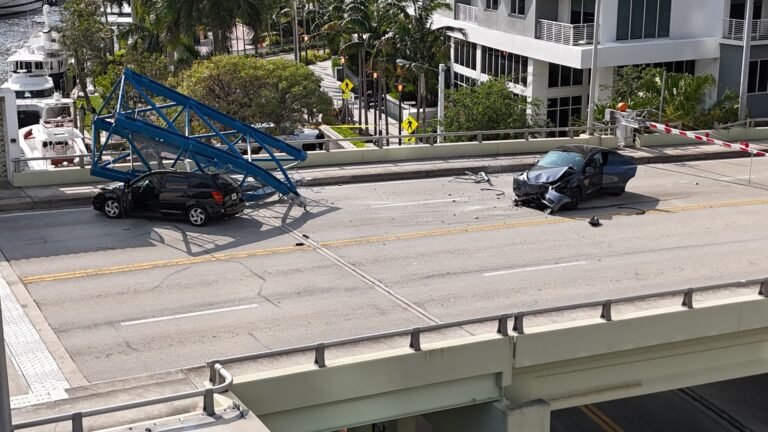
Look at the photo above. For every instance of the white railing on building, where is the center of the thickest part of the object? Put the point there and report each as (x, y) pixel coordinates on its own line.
(564, 33)
(733, 29)
(465, 13)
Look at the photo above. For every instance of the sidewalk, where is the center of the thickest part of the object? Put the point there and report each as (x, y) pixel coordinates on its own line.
(330, 85)
(41, 198)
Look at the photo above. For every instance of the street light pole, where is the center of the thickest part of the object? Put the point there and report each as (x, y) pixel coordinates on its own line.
(375, 104)
(296, 48)
(593, 72)
(400, 113)
(440, 102)
(745, 61)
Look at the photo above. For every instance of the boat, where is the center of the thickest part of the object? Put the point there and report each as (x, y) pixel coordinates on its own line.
(12, 7)
(32, 91)
(54, 136)
(42, 55)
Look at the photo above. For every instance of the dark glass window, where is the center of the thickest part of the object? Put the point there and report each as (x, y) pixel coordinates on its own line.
(564, 76)
(582, 11)
(758, 76)
(560, 111)
(465, 53)
(492, 4)
(461, 80)
(517, 7)
(175, 182)
(643, 19)
(503, 64)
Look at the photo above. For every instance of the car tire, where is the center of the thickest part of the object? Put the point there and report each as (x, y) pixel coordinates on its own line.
(617, 192)
(113, 209)
(197, 216)
(575, 196)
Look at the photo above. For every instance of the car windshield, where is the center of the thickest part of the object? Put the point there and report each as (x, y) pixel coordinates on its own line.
(560, 159)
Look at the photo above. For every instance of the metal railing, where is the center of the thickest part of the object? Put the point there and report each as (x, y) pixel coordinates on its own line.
(502, 326)
(222, 380)
(465, 13)
(76, 418)
(564, 33)
(381, 141)
(733, 29)
(748, 123)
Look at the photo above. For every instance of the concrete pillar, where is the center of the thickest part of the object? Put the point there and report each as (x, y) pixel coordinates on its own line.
(538, 88)
(527, 417)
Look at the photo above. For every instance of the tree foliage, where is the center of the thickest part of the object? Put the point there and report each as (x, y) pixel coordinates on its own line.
(254, 90)
(685, 96)
(85, 39)
(488, 106)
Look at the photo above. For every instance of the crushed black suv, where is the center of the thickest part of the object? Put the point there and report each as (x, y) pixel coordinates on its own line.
(570, 173)
(195, 196)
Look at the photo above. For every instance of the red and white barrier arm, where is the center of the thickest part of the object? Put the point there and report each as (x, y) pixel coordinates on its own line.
(743, 146)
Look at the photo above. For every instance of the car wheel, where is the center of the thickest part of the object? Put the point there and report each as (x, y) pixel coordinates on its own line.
(575, 196)
(617, 192)
(113, 209)
(197, 216)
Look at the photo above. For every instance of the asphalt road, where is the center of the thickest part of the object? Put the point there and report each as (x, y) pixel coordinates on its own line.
(134, 296)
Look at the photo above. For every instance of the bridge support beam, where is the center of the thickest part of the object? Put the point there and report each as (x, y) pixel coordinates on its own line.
(493, 417)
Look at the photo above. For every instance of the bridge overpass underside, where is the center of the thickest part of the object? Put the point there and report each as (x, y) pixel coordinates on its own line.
(511, 383)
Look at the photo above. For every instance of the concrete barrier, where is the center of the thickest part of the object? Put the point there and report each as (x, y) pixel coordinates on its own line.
(61, 176)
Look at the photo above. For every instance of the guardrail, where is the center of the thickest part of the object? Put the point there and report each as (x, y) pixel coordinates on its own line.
(733, 29)
(564, 33)
(748, 123)
(381, 141)
(502, 323)
(76, 418)
(217, 373)
(465, 13)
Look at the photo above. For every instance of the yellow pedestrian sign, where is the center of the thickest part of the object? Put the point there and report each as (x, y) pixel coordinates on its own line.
(346, 95)
(346, 86)
(410, 124)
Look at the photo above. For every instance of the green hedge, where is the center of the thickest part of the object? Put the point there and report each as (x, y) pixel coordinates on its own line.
(348, 132)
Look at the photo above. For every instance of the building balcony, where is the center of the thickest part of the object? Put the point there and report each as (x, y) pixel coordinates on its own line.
(565, 34)
(733, 29)
(465, 13)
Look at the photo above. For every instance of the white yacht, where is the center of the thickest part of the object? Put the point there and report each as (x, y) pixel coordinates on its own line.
(32, 92)
(42, 55)
(12, 7)
(54, 136)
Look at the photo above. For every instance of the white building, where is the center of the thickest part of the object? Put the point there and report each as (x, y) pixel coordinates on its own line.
(546, 45)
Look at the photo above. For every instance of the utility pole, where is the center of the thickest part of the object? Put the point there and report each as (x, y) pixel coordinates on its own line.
(593, 72)
(440, 102)
(745, 60)
(296, 48)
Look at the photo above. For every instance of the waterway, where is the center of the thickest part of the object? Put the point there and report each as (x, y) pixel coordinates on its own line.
(16, 30)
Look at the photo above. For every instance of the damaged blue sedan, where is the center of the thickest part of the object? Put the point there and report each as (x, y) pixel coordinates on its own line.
(570, 173)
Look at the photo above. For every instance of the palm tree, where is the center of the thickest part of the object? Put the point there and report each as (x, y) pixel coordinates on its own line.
(419, 42)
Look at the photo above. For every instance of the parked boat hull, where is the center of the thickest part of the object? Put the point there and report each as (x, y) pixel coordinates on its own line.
(12, 7)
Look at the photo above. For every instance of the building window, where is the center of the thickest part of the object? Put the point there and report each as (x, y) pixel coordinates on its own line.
(492, 4)
(560, 111)
(517, 7)
(758, 76)
(643, 19)
(503, 64)
(564, 76)
(681, 67)
(465, 53)
(582, 11)
(461, 80)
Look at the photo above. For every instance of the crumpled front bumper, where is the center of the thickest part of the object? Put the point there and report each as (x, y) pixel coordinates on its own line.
(538, 194)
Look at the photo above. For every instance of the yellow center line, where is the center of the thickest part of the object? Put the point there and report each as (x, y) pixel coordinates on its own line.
(357, 241)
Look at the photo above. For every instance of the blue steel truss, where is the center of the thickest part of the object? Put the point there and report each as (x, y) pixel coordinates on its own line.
(154, 126)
